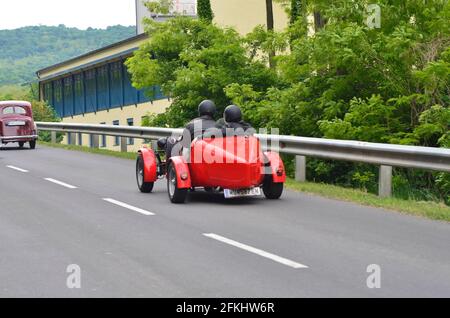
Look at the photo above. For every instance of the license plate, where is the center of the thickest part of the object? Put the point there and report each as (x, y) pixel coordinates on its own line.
(254, 192)
(16, 123)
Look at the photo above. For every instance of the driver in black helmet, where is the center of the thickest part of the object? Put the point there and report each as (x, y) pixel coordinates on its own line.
(232, 122)
(195, 128)
(206, 110)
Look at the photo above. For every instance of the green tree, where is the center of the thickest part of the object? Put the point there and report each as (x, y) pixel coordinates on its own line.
(194, 60)
(204, 10)
(159, 6)
(296, 10)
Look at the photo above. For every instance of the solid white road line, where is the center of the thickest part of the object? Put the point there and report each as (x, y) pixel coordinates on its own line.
(61, 183)
(259, 252)
(129, 207)
(17, 169)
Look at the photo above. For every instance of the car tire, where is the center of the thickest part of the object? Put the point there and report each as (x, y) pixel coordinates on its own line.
(33, 144)
(144, 187)
(272, 190)
(176, 195)
(21, 144)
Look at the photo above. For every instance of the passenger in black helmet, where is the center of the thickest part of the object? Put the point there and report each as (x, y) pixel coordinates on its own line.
(232, 122)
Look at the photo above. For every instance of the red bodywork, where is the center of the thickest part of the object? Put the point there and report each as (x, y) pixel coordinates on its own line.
(150, 167)
(16, 122)
(228, 163)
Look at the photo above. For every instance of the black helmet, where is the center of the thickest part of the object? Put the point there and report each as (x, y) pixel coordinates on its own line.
(207, 107)
(233, 114)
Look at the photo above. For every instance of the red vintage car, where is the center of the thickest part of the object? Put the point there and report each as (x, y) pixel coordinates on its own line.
(235, 165)
(17, 124)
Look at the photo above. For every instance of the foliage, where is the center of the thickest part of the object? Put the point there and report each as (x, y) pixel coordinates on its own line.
(26, 50)
(204, 10)
(296, 10)
(193, 60)
(160, 6)
(348, 81)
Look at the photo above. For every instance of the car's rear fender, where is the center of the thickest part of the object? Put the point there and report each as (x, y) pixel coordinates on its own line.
(184, 180)
(277, 167)
(150, 165)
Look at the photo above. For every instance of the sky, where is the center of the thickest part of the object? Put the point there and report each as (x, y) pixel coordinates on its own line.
(72, 13)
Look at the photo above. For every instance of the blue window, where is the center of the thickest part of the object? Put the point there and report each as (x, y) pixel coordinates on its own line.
(143, 98)
(79, 94)
(117, 138)
(91, 91)
(116, 83)
(130, 122)
(58, 102)
(68, 96)
(130, 93)
(103, 88)
(158, 93)
(48, 93)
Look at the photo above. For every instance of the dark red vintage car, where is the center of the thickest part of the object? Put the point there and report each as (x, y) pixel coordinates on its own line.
(235, 166)
(17, 124)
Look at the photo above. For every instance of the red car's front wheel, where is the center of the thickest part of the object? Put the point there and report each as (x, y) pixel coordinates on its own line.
(144, 187)
(176, 195)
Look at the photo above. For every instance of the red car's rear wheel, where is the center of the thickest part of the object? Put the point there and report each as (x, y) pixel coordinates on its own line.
(144, 187)
(33, 144)
(272, 190)
(176, 195)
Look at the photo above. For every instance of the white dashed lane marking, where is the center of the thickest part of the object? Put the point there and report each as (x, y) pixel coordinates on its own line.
(129, 207)
(17, 169)
(256, 251)
(63, 184)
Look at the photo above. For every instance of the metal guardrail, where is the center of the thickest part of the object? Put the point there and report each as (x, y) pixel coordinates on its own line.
(384, 155)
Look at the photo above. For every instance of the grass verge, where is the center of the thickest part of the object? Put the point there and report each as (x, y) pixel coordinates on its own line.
(97, 151)
(427, 209)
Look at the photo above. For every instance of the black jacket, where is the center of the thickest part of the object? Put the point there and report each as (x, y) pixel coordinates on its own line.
(196, 128)
(238, 129)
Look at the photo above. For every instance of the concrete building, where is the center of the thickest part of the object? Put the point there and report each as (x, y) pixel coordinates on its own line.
(181, 7)
(96, 88)
(245, 15)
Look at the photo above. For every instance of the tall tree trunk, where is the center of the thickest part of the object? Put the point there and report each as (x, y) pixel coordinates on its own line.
(270, 27)
(269, 8)
(319, 21)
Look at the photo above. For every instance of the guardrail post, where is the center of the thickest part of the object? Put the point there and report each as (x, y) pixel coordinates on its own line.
(71, 138)
(385, 183)
(95, 141)
(53, 137)
(300, 168)
(123, 144)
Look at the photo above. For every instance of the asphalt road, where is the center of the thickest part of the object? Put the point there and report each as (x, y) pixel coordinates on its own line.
(53, 214)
